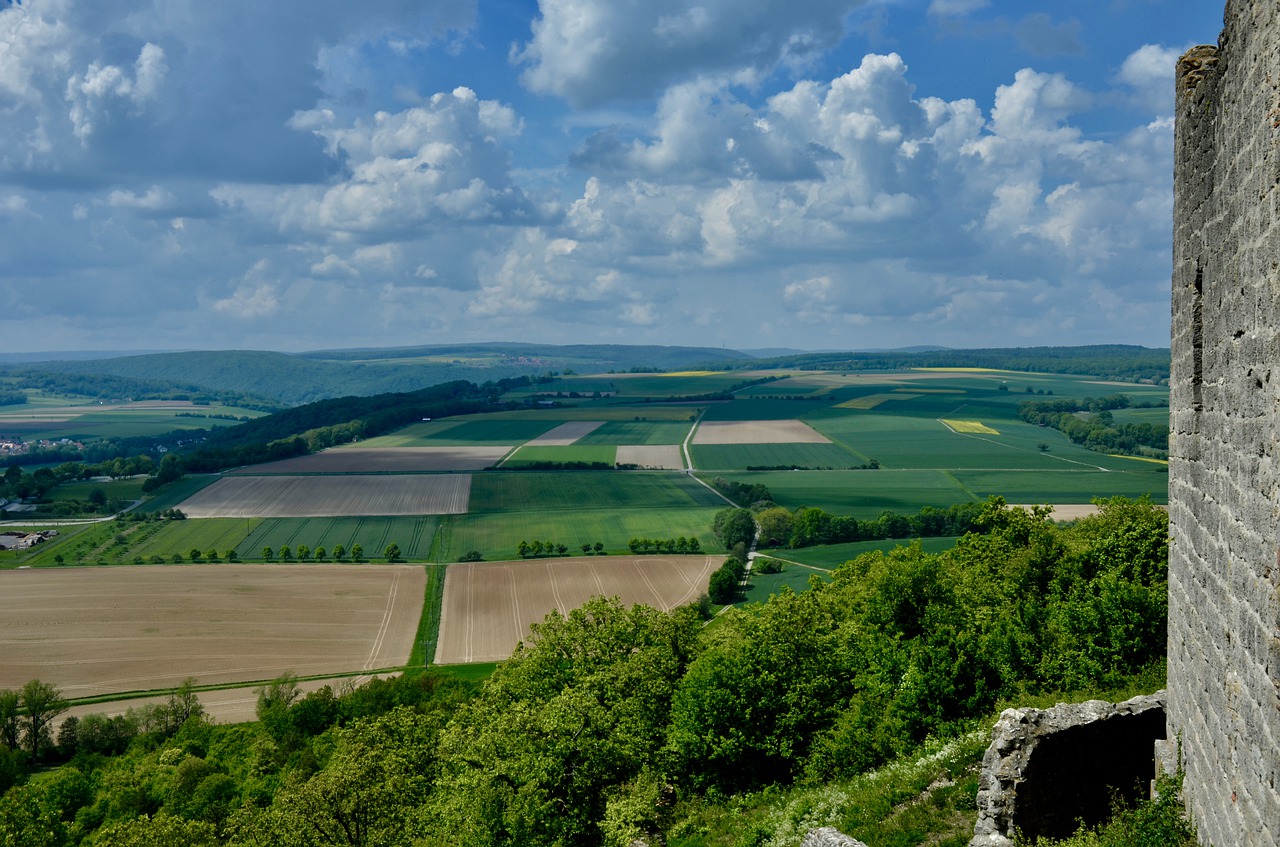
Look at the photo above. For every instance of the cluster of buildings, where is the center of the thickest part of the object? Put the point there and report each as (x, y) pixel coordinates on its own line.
(15, 540)
(14, 447)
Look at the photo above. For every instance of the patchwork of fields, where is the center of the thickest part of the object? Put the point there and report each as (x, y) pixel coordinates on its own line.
(106, 630)
(488, 606)
(854, 444)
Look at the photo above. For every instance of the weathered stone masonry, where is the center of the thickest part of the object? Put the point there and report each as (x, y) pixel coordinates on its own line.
(1224, 468)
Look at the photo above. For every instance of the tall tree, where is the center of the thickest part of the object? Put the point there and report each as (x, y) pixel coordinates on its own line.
(42, 703)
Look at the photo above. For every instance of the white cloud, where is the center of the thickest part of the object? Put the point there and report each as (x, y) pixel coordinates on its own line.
(952, 8)
(594, 51)
(249, 302)
(156, 198)
(1148, 74)
(444, 161)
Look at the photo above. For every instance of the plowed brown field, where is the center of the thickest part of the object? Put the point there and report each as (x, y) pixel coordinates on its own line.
(104, 630)
(384, 460)
(330, 496)
(488, 606)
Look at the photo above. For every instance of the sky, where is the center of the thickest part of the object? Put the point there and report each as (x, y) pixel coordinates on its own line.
(811, 174)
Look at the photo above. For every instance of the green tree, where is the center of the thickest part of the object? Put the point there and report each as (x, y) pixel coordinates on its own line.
(339, 552)
(723, 587)
(566, 722)
(41, 704)
(268, 554)
(392, 552)
(775, 527)
(10, 718)
(357, 553)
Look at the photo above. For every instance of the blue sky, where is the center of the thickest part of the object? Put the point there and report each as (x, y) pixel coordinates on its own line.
(750, 173)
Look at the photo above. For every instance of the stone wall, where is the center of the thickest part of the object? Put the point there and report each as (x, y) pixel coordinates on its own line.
(1224, 468)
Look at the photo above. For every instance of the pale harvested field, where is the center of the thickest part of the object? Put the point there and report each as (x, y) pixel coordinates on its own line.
(565, 434)
(758, 432)
(133, 628)
(666, 456)
(488, 606)
(384, 460)
(974, 427)
(329, 496)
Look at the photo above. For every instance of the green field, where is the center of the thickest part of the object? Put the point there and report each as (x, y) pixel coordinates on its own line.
(1078, 486)
(863, 494)
(413, 535)
(571, 453)
(116, 489)
(763, 586)
(830, 556)
(748, 409)
(742, 456)
(540, 491)
(897, 441)
(637, 432)
(495, 536)
(92, 420)
(166, 538)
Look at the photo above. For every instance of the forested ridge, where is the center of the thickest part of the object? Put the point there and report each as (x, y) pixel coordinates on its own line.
(1110, 361)
(611, 724)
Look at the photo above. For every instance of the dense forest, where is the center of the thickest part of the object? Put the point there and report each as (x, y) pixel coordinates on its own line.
(612, 724)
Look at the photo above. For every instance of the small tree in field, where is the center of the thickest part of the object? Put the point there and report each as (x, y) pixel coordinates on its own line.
(392, 552)
(357, 553)
(268, 554)
(339, 552)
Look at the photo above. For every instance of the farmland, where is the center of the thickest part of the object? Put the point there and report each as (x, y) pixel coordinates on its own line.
(320, 496)
(488, 606)
(863, 444)
(104, 630)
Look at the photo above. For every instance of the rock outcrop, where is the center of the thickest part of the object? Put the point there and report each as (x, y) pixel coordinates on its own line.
(1048, 769)
(829, 837)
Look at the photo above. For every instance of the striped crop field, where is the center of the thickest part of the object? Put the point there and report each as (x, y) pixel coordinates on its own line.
(488, 606)
(363, 459)
(413, 535)
(93, 631)
(325, 496)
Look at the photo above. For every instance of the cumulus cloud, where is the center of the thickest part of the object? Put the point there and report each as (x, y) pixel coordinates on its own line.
(1147, 73)
(594, 51)
(88, 88)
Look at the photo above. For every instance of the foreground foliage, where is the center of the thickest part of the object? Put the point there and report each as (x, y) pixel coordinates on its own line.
(611, 724)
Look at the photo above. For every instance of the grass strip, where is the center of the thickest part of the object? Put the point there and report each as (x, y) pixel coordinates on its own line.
(424, 644)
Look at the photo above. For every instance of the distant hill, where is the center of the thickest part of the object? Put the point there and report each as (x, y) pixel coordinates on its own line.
(1130, 363)
(294, 379)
